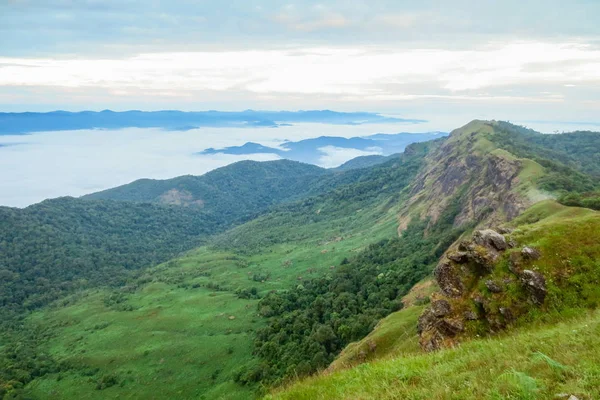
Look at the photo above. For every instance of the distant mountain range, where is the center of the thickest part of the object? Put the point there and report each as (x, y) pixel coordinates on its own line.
(27, 122)
(312, 150)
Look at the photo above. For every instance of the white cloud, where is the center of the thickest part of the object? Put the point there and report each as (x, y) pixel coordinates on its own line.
(372, 73)
(335, 156)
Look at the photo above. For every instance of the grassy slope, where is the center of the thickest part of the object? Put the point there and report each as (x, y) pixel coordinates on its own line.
(178, 333)
(532, 364)
(569, 239)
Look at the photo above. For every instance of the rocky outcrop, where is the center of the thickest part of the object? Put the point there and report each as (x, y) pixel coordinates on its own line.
(448, 279)
(472, 292)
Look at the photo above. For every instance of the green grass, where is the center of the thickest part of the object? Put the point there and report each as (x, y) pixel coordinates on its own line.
(169, 346)
(393, 336)
(536, 363)
(169, 334)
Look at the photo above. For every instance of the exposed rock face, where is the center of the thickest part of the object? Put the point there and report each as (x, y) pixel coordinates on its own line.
(466, 170)
(459, 257)
(435, 329)
(448, 279)
(180, 198)
(470, 293)
(440, 308)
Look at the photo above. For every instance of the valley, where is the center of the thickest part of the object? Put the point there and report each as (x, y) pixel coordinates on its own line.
(286, 280)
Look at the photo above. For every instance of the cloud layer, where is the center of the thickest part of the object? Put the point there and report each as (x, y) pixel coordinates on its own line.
(504, 73)
(52, 164)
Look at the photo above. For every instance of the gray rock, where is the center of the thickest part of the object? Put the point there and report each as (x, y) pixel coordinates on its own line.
(535, 283)
(489, 237)
(484, 259)
(432, 342)
(459, 257)
(566, 396)
(493, 286)
(464, 245)
(507, 314)
(470, 316)
(450, 327)
(479, 300)
(514, 263)
(530, 253)
(448, 280)
(440, 308)
(426, 321)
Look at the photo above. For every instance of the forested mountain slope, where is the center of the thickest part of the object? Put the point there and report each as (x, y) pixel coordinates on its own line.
(233, 191)
(60, 245)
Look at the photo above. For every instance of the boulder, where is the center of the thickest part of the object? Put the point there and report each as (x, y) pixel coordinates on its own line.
(515, 261)
(489, 237)
(530, 253)
(493, 286)
(484, 258)
(470, 316)
(431, 341)
(426, 321)
(535, 283)
(464, 245)
(507, 314)
(459, 257)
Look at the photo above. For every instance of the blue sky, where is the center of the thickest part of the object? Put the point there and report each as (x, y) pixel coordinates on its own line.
(518, 60)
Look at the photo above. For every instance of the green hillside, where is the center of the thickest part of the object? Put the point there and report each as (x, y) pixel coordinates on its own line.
(222, 281)
(231, 192)
(159, 291)
(551, 347)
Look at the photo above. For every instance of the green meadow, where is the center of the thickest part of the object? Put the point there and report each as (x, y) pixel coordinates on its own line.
(182, 329)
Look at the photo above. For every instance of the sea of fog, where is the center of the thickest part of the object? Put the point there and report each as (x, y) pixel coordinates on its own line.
(45, 165)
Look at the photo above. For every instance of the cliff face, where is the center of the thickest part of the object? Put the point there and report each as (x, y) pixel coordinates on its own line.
(470, 173)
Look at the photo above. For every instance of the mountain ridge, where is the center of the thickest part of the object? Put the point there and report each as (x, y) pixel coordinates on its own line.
(28, 122)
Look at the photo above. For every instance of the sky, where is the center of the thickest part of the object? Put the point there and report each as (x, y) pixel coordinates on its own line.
(534, 60)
